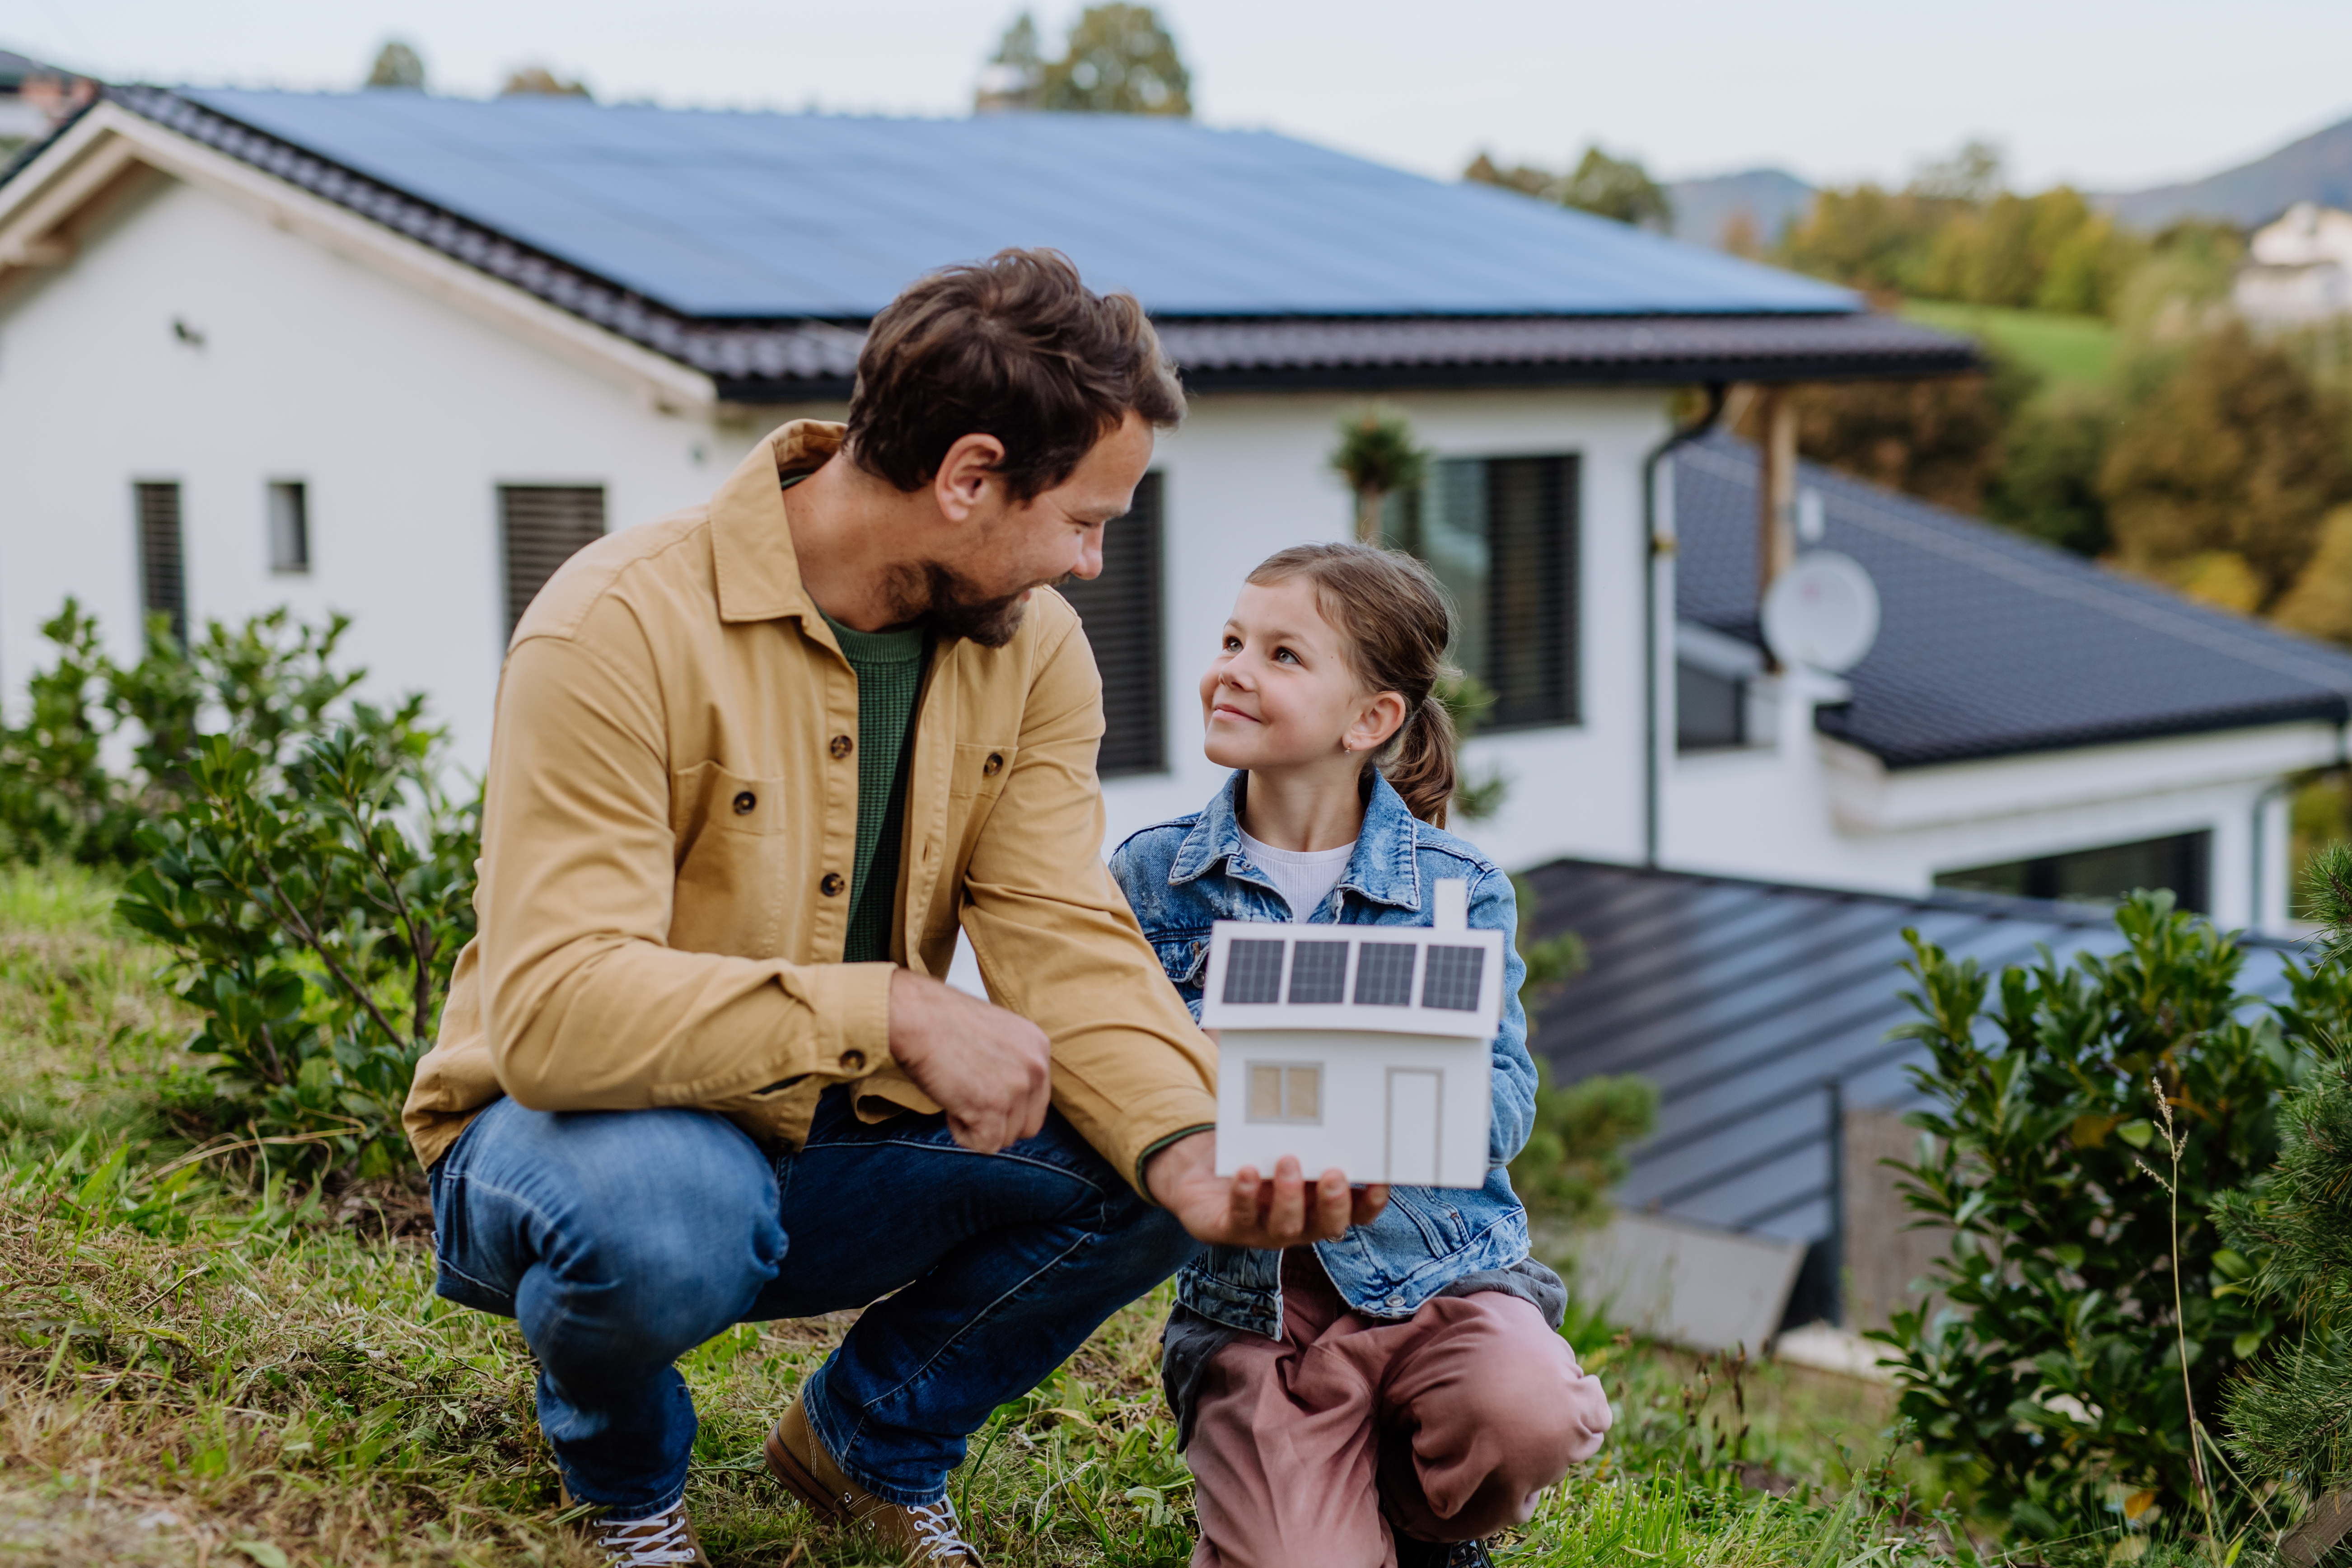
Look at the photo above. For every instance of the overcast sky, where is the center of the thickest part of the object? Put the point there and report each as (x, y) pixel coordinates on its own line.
(2111, 94)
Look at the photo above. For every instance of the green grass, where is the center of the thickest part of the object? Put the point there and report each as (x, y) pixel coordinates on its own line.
(2066, 349)
(222, 1366)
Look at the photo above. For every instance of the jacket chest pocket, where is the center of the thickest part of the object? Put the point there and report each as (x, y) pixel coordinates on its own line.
(731, 879)
(981, 770)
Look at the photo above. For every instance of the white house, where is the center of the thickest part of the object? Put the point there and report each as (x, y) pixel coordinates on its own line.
(396, 355)
(2298, 268)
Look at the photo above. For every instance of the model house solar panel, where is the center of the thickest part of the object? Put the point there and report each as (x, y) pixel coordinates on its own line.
(1361, 1048)
(1393, 979)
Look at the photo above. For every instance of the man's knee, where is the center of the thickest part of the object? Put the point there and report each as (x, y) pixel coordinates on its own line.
(630, 1228)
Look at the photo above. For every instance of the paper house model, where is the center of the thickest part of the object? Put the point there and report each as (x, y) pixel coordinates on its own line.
(1363, 1048)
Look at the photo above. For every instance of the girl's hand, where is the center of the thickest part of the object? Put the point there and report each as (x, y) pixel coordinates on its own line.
(1248, 1210)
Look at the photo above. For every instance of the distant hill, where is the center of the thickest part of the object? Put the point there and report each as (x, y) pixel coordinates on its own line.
(1771, 198)
(2318, 169)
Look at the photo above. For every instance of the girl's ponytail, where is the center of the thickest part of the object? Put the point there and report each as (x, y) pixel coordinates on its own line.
(1419, 763)
(1397, 624)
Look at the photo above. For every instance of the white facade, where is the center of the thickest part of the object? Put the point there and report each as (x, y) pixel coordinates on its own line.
(2298, 268)
(212, 326)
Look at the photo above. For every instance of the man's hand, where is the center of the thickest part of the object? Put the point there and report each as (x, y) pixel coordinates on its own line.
(1248, 1210)
(991, 1070)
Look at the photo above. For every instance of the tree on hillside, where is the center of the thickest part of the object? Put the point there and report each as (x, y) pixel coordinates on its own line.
(1953, 233)
(1940, 441)
(397, 64)
(538, 81)
(2235, 453)
(2047, 481)
(1619, 188)
(1015, 76)
(1120, 61)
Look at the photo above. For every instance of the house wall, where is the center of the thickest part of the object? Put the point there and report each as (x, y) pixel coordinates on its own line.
(1809, 809)
(401, 414)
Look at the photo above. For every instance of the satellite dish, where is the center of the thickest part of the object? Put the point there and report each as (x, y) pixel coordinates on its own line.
(1822, 613)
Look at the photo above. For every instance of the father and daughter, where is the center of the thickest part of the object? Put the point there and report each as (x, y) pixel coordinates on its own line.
(1390, 1397)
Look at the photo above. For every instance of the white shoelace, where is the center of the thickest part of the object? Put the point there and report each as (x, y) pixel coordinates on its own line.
(660, 1541)
(940, 1532)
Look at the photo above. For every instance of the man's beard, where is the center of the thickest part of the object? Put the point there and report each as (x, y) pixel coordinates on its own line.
(953, 606)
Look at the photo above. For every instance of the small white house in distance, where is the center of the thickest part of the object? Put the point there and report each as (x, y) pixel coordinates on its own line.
(2298, 268)
(397, 355)
(1363, 1049)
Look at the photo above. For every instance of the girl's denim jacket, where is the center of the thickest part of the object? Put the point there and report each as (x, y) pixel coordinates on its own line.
(1181, 875)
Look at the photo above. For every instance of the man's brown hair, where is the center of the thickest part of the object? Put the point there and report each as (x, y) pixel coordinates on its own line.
(1014, 347)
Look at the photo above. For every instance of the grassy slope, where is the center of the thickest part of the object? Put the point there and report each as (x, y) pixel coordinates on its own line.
(2067, 350)
(218, 1366)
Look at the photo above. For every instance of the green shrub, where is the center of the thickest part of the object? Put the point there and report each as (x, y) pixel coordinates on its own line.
(2290, 1416)
(270, 683)
(314, 911)
(2059, 1375)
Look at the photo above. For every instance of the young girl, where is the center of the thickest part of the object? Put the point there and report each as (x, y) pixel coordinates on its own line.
(1392, 1396)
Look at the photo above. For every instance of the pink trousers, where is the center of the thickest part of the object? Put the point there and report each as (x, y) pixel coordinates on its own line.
(1306, 1451)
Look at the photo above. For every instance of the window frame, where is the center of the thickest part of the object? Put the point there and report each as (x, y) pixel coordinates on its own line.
(1403, 516)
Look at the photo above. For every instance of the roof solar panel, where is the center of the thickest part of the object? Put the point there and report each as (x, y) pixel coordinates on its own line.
(727, 214)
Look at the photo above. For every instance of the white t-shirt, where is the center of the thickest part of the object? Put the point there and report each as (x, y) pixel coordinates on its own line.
(1304, 877)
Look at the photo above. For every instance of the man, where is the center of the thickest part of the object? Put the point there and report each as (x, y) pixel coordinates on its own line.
(754, 767)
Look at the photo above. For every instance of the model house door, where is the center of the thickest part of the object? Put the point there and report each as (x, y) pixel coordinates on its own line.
(1415, 1095)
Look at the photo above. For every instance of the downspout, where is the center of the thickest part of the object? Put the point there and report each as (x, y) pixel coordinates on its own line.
(1653, 547)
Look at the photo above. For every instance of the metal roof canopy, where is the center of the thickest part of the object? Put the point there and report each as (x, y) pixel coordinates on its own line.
(1758, 1008)
(1993, 643)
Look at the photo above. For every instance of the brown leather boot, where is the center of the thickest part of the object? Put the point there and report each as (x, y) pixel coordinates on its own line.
(927, 1534)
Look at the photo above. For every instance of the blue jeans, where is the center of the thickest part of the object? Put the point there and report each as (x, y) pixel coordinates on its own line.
(622, 1239)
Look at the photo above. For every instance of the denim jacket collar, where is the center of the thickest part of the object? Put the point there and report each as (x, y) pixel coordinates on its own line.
(1385, 869)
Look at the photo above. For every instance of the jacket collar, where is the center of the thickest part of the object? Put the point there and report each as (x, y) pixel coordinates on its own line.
(751, 541)
(1385, 868)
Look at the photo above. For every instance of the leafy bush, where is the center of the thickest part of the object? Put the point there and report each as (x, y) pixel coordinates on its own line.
(270, 683)
(294, 850)
(2060, 1375)
(315, 910)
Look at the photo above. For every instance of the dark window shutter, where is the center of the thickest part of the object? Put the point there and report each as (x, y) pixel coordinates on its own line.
(1121, 611)
(1531, 589)
(162, 579)
(544, 526)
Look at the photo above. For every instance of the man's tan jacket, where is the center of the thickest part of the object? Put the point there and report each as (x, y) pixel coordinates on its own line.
(668, 838)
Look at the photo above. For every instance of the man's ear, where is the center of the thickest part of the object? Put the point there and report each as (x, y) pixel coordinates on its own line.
(968, 476)
(1380, 718)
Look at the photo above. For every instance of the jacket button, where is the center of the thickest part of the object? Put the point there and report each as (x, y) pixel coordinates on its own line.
(853, 1061)
(994, 766)
(744, 801)
(841, 746)
(831, 884)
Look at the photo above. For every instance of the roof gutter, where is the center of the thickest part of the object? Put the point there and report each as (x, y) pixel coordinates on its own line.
(1653, 547)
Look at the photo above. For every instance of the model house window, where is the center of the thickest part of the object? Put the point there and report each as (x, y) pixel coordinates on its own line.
(1285, 1092)
(163, 578)
(290, 526)
(1500, 534)
(2182, 862)
(1121, 613)
(543, 526)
